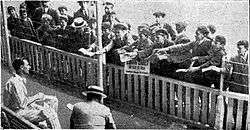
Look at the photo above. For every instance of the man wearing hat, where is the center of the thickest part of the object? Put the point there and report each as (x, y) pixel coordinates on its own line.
(63, 11)
(181, 37)
(159, 17)
(45, 9)
(79, 38)
(92, 114)
(121, 39)
(83, 11)
(110, 15)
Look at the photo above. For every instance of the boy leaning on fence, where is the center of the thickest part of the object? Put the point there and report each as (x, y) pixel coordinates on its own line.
(39, 109)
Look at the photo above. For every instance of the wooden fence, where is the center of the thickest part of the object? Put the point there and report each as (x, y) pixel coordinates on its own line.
(186, 101)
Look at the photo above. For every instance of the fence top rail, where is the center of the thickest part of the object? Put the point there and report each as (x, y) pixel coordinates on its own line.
(234, 95)
(55, 49)
(236, 63)
(5, 109)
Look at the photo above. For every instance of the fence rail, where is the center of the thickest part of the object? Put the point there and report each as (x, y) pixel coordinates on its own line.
(191, 102)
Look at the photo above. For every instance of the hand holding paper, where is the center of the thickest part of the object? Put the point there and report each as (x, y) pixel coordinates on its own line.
(86, 52)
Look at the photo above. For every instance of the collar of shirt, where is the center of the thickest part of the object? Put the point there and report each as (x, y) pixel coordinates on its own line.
(20, 78)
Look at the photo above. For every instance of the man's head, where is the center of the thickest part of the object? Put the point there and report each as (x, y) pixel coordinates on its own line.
(106, 28)
(159, 16)
(201, 32)
(79, 24)
(144, 33)
(120, 29)
(62, 10)
(23, 13)
(63, 20)
(180, 27)
(46, 19)
(21, 66)
(211, 28)
(11, 11)
(242, 46)
(220, 41)
(95, 93)
(108, 7)
(161, 35)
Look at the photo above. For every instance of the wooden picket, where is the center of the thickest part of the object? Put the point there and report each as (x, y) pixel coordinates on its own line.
(182, 100)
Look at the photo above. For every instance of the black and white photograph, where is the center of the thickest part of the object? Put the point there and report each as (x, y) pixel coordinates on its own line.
(125, 64)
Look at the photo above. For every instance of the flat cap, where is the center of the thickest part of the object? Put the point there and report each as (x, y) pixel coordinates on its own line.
(159, 13)
(211, 28)
(161, 31)
(243, 42)
(221, 39)
(62, 7)
(106, 25)
(122, 26)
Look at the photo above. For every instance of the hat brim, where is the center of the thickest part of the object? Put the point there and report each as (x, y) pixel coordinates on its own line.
(73, 25)
(102, 94)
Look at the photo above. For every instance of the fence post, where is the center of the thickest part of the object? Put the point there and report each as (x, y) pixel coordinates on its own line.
(6, 31)
(220, 108)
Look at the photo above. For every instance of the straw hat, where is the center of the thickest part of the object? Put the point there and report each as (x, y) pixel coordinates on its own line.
(79, 22)
(95, 90)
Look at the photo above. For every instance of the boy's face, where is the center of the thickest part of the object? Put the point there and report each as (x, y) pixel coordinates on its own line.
(199, 35)
(119, 33)
(62, 11)
(24, 15)
(12, 12)
(63, 23)
(241, 49)
(159, 19)
(159, 38)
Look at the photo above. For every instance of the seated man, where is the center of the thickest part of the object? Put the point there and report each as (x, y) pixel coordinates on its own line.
(15, 98)
(92, 114)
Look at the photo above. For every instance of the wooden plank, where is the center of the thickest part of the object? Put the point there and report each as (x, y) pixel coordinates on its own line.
(143, 92)
(239, 115)
(164, 97)
(196, 107)
(41, 59)
(117, 86)
(204, 108)
(136, 89)
(157, 95)
(188, 104)
(179, 111)
(229, 124)
(130, 94)
(105, 76)
(77, 70)
(172, 101)
(83, 73)
(123, 91)
(36, 59)
(150, 92)
(32, 58)
(73, 61)
(212, 109)
(110, 83)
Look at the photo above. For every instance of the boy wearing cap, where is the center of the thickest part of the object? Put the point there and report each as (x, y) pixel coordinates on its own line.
(181, 38)
(12, 20)
(122, 39)
(63, 12)
(240, 57)
(159, 17)
(83, 11)
(92, 114)
(45, 9)
(110, 15)
(46, 31)
(25, 27)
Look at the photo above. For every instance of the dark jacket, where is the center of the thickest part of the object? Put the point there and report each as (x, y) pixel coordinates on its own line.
(38, 15)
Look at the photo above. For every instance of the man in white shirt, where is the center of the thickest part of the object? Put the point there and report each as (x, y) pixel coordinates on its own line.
(15, 98)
